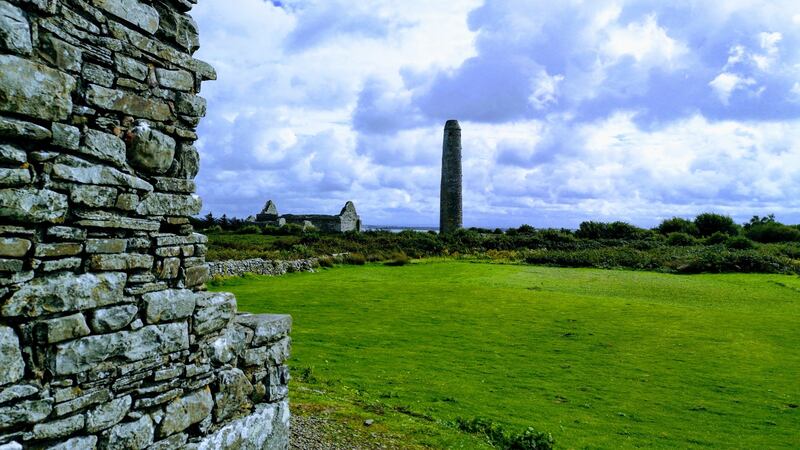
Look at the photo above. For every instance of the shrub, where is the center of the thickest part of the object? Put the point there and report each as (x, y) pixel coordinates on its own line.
(356, 259)
(613, 230)
(292, 229)
(739, 243)
(771, 232)
(680, 239)
(529, 439)
(325, 261)
(398, 259)
(249, 229)
(710, 223)
(213, 229)
(717, 238)
(677, 225)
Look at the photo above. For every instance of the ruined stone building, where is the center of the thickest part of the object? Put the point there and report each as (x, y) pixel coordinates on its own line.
(108, 337)
(346, 220)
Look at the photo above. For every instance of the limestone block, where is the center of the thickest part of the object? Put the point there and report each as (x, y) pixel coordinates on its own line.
(62, 328)
(128, 103)
(214, 312)
(185, 411)
(191, 105)
(170, 443)
(66, 136)
(121, 261)
(180, 80)
(14, 247)
(79, 171)
(56, 250)
(115, 318)
(10, 357)
(129, 435)
(180, 28)
(108, 414)
(150, 150)
(34, 90)
(97, 75)
(33, 205)
(67, 233)
(127, 202)
(159, 204)
(180, 185)
(26, 412)
(77, 443)
(60, 54)
(169, 305)
(104, 146)
(14, 177)
(187, 162)
(14, 128)
(10, 265)
(266, 429)
(130, 67)
(83, 354)
(58, 428)
(17, 392)
(106, 246)
(64, 293)
(143, 16)
(15, 31)
(12, 155)
(195, 276)
(233, 394)
(168, 268)
(88, 399)
(267, 327)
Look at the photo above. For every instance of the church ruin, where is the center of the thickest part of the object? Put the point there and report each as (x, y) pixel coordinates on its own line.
(346, 220)
(108, 337)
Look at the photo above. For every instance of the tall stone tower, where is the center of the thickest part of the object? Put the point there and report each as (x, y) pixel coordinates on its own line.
(450, 214)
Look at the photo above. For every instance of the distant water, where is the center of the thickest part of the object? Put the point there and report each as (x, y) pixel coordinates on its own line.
(397, 228)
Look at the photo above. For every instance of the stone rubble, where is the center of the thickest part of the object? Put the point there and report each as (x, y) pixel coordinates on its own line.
(108, 337)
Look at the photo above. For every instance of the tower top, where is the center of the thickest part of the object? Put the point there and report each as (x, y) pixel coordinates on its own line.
(452, 124)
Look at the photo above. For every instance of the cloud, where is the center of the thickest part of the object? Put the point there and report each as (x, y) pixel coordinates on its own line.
(571, 110)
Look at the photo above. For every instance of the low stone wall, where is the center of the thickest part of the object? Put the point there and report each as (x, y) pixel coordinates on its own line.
(258, 266)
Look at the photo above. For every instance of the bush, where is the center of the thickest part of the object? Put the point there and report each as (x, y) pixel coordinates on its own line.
(529, 439)
(213, 229)
(325, 261)
(249, 229)
(772, 232)
(613, 230)
(710, 223)
(356, 259)
(739, 243)
(680, 239)
(717, 238)
(398, 259)
(677, 225)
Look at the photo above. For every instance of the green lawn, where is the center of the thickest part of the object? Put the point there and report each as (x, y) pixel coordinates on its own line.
(601, 359)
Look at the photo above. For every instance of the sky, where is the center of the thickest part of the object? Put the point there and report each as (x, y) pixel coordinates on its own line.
(634, 110)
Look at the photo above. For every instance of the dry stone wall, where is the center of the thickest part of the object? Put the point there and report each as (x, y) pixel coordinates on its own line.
(258, 266)
(108, 338)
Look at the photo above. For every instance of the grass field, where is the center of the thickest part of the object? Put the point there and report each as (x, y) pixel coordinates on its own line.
(601, 359)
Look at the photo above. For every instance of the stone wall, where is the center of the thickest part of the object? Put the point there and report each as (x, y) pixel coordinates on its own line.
(258, 266)
(108, 338)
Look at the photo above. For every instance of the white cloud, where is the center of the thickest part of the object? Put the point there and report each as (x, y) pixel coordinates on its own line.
(726, 83)
(545, 90)
(286, 119)
(645, 41)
